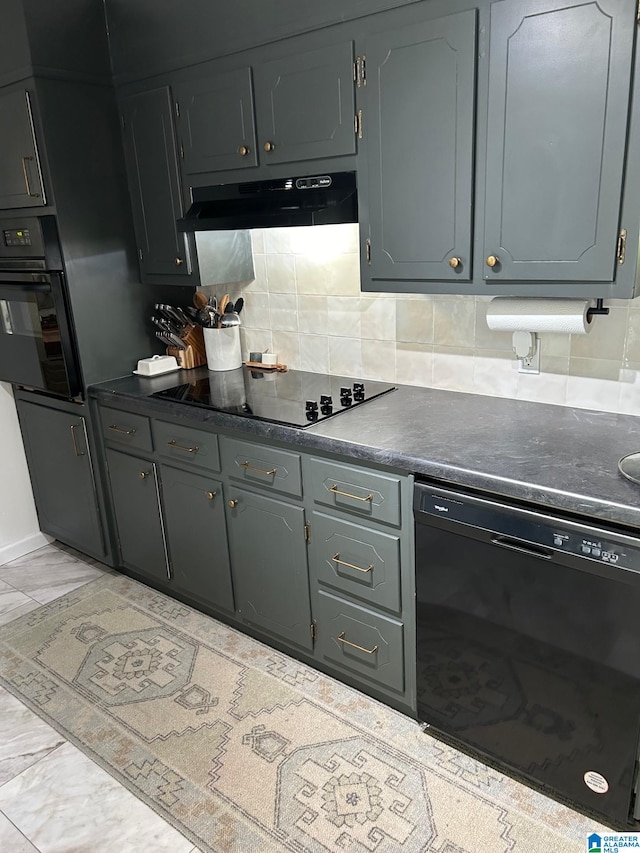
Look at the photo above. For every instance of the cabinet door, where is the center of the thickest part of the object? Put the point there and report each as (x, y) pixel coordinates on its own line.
(559, 84)
(197, 536)
(216, 123)
(136, 506)
(269, 565)
(62, 476)
(154, 184)
(305, 105)
(418, 122)
(20, 176)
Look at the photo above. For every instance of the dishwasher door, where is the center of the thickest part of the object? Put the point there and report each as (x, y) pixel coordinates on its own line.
(528, 645)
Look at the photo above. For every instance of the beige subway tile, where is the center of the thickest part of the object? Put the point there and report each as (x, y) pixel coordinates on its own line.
(453, 368)
(632, 344)
(454, 322)
(494, 374)
(255, 314)
(542, 388)
(378, 319)
(605, 339)
(287, 347)
(325, 241)
(345, 356)
(486, 338)
(379, 360)
(414, 364)
(595, 368)
(283, 310)
(344, 318)
(313, 315)
(588, 393)
(414, 320)
(553, 364)
(281, 273)
(257, 241)
(277, 241)
(314, 353)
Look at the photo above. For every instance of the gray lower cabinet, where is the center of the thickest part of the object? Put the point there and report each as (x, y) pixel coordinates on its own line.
(154, 186)
(62, 475)
(267, 543)
(196, 532)
(135, 492)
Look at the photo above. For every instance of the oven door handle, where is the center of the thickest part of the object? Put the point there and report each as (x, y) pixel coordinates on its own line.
(523, 548)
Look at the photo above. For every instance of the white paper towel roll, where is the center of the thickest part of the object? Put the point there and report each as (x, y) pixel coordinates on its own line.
(568, 316)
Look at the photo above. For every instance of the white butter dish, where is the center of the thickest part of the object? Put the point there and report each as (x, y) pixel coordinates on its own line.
(156, 365)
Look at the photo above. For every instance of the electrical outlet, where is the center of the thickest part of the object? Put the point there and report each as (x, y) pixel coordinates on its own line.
(531, 364)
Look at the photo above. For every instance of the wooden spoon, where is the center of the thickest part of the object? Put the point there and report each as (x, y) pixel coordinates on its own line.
(221, 308)
(200, 299)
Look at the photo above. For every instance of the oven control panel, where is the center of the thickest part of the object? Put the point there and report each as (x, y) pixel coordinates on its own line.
(16, 237)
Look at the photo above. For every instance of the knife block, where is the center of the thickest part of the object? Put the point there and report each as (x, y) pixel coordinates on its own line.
(194, 355)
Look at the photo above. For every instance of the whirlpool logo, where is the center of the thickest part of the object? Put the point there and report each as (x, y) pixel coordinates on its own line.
(441, 508)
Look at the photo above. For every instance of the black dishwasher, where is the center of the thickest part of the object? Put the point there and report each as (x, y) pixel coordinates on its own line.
(528, 646)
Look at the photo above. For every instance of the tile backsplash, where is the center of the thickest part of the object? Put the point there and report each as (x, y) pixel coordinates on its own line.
(305, 304)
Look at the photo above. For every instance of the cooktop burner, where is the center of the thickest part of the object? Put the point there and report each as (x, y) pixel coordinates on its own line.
(292, 398)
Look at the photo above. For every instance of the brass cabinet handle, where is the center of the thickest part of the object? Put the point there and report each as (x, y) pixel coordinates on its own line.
(26, 177)
(233, 503)
(340, 638)
(244, 150)
(178, 262)
(492, 260)
(248, 467)
(73, 441)
(210, 495)
(123, 431)
(173, 443)
(336, 559)
(269, 146)
(336, 491)
(144, 474)
(454, 263)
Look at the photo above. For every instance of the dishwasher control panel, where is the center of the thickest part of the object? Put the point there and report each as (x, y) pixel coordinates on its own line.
(510, 525)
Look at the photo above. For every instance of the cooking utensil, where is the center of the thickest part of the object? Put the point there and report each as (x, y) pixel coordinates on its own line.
(239, 305)
(200, 299)
(229, 318)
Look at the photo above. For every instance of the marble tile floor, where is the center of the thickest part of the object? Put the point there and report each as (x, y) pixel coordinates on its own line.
(54, 799)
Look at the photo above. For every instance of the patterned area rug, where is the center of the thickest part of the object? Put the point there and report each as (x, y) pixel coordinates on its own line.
(245, 750)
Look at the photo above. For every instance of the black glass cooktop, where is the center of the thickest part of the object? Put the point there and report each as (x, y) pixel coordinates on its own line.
(292, 398)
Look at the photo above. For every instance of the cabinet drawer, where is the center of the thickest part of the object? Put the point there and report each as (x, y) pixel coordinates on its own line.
(361, 562)
(275, 470)
(187, 445)
(359, 490)
(125, 428)
(359, 640)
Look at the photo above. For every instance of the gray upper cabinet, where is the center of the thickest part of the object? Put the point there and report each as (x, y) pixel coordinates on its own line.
(21, 183)
(559, 94)
(216, 123)
(305, 105)
(154, 186)
(418, 121)
(289, 109)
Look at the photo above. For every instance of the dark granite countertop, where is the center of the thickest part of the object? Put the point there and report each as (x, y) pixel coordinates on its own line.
(560, 457)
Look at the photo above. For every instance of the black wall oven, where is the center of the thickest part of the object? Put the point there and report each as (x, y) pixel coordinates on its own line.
(528, 654)
(37, 345)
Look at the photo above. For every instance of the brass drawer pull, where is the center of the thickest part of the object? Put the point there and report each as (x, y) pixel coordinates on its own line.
(174, 443)
(341, 639)
(210, 495)
(336, 559)
(122, 431)
(248, 467)
(336, 491)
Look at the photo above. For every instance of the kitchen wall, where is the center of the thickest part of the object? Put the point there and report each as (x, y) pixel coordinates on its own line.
(19, 530)
(305, 303)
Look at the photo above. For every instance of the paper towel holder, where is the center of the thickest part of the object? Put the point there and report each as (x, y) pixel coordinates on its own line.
(599, 309)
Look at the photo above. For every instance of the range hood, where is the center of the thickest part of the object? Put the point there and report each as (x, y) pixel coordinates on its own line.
(322, 199)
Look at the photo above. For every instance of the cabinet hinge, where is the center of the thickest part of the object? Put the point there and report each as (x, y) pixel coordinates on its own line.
(307, 531)
(357, 124)
(367, 244)
(177, 105)
(141, 254)
(622, 246)
(360, 70)
(314, 632)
